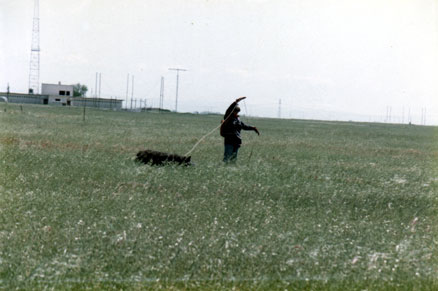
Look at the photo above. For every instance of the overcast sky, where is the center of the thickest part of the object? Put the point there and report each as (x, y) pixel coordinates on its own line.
(324, 59)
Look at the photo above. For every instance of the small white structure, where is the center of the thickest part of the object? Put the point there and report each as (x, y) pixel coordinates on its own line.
(57, 89)
(61, 95)
(58, 94)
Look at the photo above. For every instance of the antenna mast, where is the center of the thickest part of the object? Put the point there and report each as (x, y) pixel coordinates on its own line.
(279, 108)
(162, 92)
(34, 67)
(177, 81)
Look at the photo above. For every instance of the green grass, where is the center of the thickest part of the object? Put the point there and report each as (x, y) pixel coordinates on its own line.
(309, 205)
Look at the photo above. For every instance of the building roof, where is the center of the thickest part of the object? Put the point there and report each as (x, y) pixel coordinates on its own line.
(96, 99)
(6, 94)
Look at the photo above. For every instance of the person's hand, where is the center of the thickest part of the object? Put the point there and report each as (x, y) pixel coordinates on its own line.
(256, 130)
(240, 99)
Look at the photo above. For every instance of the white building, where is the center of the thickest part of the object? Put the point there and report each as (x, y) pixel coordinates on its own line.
(56, 89)
(61, 95)
(58, 94)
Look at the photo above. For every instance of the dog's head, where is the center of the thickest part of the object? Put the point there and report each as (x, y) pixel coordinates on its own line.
(187, 160)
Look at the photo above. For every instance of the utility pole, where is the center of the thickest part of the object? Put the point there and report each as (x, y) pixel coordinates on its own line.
(132, 88)
(162, 93)
(390, 111)
(95, 86)
(34, 67)
(279, 108)
(177, 80)
(127, 89)
(423, 116)
(403, 115)
(100, 82)
(387, 114)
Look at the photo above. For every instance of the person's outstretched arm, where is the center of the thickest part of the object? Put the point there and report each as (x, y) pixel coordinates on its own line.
(231, 107)
(249, 127)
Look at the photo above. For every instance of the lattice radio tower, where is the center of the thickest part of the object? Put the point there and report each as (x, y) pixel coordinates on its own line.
(34, 67)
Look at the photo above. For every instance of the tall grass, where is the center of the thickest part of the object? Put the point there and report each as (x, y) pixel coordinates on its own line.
(315, 205)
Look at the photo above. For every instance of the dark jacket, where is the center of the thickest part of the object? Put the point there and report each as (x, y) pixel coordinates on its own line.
(232, 126)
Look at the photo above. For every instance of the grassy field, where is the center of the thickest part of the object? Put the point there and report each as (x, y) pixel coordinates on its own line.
(309, 205)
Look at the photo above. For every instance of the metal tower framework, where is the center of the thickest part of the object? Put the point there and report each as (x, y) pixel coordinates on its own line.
(177, 81)
(34, 67)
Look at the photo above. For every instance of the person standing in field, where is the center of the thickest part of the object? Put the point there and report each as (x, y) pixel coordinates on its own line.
(230, 130)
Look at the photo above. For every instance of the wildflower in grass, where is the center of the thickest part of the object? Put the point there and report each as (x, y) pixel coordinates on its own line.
(121, 237)
(355, 260)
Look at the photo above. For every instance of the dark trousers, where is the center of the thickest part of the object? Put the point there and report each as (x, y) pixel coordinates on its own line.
(230, 152)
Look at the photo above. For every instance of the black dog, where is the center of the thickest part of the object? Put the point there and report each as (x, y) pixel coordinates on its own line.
(160, 158)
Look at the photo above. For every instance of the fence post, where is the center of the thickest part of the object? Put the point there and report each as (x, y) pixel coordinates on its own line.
(83, 118)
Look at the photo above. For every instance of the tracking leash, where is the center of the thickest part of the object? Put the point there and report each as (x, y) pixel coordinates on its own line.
(202, 138)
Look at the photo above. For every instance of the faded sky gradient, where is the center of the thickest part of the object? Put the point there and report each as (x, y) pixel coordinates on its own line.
(325, 59)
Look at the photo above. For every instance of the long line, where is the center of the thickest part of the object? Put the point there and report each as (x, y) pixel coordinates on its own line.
(202, 138)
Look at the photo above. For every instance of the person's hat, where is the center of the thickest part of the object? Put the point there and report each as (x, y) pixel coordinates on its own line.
(236, 109)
